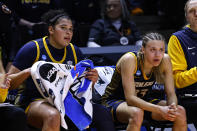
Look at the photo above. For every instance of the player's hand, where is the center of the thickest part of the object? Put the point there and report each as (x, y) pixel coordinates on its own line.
(167, 113)
(172, 112)
(4, 81)
(92, 74)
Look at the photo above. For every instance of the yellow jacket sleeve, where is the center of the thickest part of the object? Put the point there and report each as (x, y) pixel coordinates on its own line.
(3, 94)
(182, 76)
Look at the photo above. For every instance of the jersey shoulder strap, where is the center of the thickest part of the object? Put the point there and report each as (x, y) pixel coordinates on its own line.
(74, 53)
(38, 51)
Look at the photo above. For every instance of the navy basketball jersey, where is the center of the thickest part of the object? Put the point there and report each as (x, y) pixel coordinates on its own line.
(143, 84)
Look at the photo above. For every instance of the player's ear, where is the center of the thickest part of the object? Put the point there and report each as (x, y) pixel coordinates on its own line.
(142, 49)
(50, 29)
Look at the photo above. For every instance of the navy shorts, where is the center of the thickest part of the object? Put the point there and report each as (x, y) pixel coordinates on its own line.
(113, 104)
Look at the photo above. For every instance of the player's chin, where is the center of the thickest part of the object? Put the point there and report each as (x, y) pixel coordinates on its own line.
(155, 64)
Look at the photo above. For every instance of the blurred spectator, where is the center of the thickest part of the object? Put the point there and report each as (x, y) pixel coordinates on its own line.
(86, 11)
(136, 7)
(115, 28)
(28, 16)
(173, 12)
(83, 14)
(9, 36)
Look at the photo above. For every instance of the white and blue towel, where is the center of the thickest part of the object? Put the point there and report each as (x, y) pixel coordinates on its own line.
(105, 75)
(66, 88)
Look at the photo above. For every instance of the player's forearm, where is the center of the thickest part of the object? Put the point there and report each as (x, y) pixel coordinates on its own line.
(138, 102)
(19, 78)
(171, 99)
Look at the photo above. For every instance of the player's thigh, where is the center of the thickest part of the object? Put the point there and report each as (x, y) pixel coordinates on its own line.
(39, 111)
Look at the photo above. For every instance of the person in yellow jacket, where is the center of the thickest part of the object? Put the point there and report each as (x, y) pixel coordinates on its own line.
(182, 48)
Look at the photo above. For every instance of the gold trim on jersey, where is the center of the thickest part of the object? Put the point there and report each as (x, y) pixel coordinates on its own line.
(38, 51)
(151, 101)
(27, 108)
(188, 25)
(135, 65)
(117, 69)
(144, 75)
(74, 53)
(112, 112)
(49, 53)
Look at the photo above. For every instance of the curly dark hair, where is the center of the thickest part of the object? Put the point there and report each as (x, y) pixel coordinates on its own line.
(52, 17)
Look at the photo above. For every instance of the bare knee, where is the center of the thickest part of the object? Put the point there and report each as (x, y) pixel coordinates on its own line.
(181, 114)
(52, 118)
(136, 116)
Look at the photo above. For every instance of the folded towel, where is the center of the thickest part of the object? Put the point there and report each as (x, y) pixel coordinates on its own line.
(66, 88)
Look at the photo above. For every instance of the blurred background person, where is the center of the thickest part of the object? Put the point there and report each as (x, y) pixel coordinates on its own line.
(115, 28)
(83, 13)
(28, 16)
(9, 35)
(136, 7)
